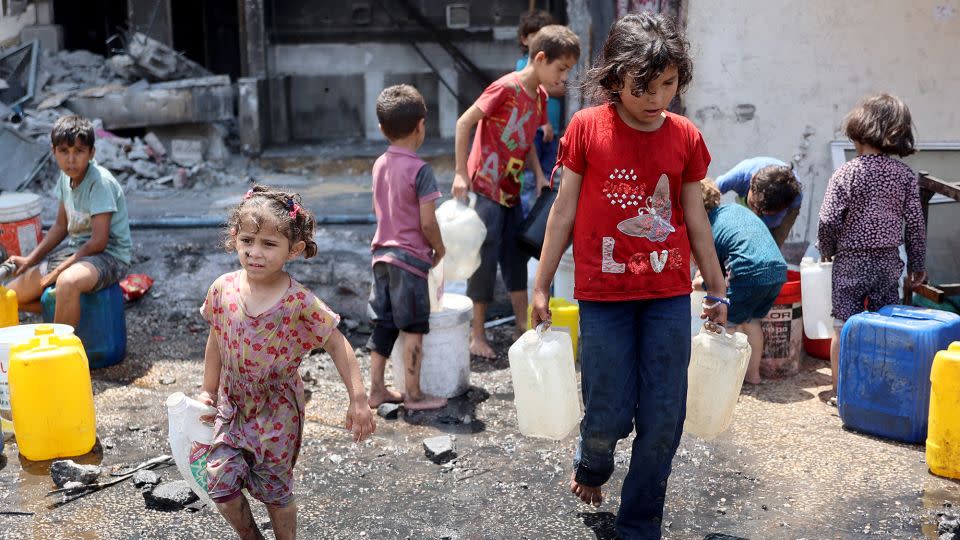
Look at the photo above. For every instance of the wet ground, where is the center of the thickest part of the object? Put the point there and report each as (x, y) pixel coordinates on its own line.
(785, 469)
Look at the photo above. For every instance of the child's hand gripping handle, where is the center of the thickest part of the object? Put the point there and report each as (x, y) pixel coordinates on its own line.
(211, 403)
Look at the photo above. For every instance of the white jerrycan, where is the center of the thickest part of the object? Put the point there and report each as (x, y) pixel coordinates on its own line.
(816, 288)
(544, 384)
(190, 440)
(463, 233)
(718, 362)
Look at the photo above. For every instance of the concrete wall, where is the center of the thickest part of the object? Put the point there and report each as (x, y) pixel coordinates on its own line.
(777, 78)
(346, 79)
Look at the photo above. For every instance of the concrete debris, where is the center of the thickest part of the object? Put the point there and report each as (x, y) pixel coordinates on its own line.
(145, 478)
(390, 411)
(167, 380)
(170, 496)
(155, 145)
(189, 101)
(439, 449)
(948, 524)
(161, 63)
(336, 459)
(186, 152)
(66, 470)
(73, 484)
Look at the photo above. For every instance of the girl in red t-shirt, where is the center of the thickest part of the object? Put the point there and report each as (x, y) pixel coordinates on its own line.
(630, 196)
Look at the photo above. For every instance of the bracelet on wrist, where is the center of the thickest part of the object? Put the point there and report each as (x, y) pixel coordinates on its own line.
(716, 299)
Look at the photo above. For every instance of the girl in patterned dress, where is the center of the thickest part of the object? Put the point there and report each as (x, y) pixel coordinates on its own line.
(262, 323)
(872, 205)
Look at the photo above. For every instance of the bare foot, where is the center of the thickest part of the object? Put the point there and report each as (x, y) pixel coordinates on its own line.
(480, 347)
(387, 395)
(588, 494)
(425, 403)
(753, 380)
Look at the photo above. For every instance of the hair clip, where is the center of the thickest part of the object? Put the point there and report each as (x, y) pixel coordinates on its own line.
(293, 207)
(248, 194)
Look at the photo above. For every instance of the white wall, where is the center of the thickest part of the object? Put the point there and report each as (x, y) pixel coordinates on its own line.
(11, 25)
(803, 65)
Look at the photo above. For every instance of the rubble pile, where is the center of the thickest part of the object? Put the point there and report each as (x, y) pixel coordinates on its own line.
(183, 111)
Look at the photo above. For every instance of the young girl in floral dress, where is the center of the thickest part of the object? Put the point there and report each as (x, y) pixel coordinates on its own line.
(262, 323)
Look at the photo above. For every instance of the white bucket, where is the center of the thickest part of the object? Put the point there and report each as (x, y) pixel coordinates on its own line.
(563, 279)
(445, 368)
(19, 222)
(10, 336)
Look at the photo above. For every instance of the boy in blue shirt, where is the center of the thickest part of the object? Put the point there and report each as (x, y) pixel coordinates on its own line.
(755, 268)
(92, 217)
(767, 186)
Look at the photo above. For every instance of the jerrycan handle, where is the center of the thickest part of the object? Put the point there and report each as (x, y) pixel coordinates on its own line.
(717, 329)
(471, 200)
(541, 329)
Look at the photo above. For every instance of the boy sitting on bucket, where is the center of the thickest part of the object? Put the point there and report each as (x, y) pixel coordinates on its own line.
(93, 218)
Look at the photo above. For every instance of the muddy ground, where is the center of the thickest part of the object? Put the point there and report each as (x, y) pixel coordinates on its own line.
(785, 469)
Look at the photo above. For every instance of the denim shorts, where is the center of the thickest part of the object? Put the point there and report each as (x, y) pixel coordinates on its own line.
(109, 269)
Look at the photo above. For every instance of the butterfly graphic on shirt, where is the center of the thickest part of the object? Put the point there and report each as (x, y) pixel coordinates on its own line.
(653, 221)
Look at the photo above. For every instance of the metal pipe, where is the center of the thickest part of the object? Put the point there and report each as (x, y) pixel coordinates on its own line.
(216, 223)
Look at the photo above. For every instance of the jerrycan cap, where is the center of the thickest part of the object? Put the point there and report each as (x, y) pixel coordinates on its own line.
(43, 330)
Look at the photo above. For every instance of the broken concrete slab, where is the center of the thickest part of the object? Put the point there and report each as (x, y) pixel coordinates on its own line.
(67, 470)
(145, 478)
(21, 159)
(439, 449)
(170, 496)
(159, 62)
(50, 36)
(186, 152)
(209, 99)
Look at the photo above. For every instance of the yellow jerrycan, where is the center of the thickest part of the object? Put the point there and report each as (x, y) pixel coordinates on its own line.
(8, 317)
(943, 424)
(51, 396)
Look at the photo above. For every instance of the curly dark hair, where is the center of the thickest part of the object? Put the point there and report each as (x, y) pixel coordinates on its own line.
(642, 45)
(774, 187)
(530, 23)
(293, 221)
(710, 193)
(883, 122)
(72, 128)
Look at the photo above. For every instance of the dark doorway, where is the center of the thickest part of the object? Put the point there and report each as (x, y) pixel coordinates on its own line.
(87, 25)
(208, 33)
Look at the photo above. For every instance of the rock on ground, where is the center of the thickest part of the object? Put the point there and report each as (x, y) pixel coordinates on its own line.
(67, 470)
(170, 496)
(388, 410)
(439, 449)
(144, 478)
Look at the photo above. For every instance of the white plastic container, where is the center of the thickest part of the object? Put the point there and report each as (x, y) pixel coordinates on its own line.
(20, 222)
(544, 384)
(718, 362)
(563, 279)
(463, 233)
(8, 337)
(696, 308)
(445, 368)
(816, 286)
(190, 440)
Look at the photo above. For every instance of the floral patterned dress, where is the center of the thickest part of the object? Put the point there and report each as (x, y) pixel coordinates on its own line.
(260, 400)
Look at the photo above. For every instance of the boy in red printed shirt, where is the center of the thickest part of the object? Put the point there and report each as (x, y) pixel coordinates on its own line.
(508, 113)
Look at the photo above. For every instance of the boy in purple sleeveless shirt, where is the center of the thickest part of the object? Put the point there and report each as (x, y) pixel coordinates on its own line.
(406, 246)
